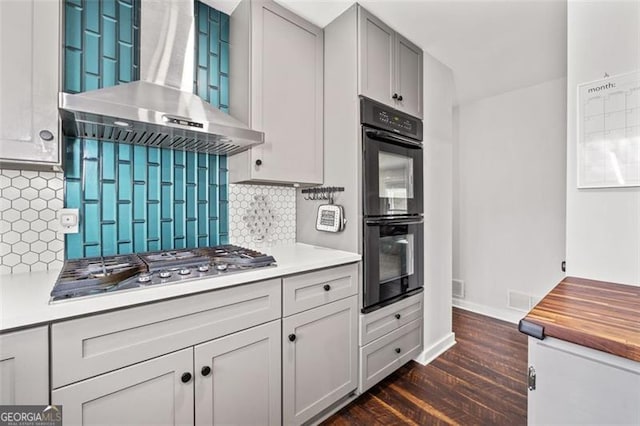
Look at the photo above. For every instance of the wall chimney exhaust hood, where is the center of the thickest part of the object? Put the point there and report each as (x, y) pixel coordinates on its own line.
(160, 110)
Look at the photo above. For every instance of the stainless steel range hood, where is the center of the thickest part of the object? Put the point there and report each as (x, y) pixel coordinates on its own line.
(160, 110)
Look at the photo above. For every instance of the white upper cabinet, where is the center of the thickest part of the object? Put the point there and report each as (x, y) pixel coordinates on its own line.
(390, 66)
(29, 78)
(276, 64)
(377, 68)
(408, 62)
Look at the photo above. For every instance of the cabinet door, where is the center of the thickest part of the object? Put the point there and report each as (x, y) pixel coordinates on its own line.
(408, 76)
(287, 102)
(242, 383)
(319, 358)
(29, 46)
(376, 44)
(152, 392)
(24, 367)
(579, 385)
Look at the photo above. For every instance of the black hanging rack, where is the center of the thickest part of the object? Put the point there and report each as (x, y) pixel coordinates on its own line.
(322, 193)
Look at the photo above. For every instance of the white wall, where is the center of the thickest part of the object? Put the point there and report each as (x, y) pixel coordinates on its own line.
(603, 225)
(509, 207)
(438, 147)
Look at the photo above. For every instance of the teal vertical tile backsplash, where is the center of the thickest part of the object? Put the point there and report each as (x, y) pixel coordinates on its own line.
(212, 56)
(135, 198)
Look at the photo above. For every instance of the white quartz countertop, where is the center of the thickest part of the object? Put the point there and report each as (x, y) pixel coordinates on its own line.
(24, 298)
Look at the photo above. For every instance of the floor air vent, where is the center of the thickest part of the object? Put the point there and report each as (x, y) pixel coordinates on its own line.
(457, 289)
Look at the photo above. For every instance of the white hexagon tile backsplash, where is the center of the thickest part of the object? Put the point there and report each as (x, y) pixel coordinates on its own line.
(261, 216)
(29, 238)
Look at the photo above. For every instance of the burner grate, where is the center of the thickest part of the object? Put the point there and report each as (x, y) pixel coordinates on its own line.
(173, 259)
(100, 268)
(96, 275)
(237, 256)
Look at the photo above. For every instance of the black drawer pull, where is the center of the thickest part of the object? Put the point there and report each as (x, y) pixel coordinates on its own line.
(186, 377)
(397, 316)
(206, 370)
(398, 350)
(292, 337)
(326, 287)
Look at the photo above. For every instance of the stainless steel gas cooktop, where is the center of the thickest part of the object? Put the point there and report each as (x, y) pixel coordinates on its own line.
(103, 275)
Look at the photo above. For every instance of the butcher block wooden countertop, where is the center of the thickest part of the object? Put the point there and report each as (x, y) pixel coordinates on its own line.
(596, 314)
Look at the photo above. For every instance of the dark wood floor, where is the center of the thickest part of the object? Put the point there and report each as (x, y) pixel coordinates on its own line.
(480, 381)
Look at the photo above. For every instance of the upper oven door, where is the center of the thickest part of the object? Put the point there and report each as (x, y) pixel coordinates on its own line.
(392, 174)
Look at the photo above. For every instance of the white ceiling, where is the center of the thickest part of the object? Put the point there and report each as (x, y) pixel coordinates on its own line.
(492, 46)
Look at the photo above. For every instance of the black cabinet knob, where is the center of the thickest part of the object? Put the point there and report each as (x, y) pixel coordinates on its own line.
(292, 337)
(397, 316)
(327, 287)
(398, 350)
(400, 98)
(395, 96)
(258, 162)
(206, 370)
(186, 377)
(46, 135)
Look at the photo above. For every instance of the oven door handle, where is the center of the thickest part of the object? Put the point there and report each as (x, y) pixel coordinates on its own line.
(390, 137)
(400, 221)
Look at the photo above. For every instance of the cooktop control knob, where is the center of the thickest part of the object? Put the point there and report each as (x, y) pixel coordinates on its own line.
(203, 268)
(185, 271)
(144, 278)
(221, 266)
(164, 274)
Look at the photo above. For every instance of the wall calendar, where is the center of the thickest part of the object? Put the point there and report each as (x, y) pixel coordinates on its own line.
(609, 132)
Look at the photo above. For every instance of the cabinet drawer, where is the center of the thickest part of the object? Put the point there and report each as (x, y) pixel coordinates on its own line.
(380, 358)
(90, 346)
(306, 291)
(378, 323)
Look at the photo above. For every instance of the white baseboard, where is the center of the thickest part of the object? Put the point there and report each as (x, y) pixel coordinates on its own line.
(505, 314)
(437, 349)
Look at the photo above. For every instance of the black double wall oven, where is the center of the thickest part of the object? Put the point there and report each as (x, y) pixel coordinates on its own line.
(392, 204)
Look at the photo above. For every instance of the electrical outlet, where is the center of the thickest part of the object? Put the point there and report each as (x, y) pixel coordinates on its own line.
(69, 220)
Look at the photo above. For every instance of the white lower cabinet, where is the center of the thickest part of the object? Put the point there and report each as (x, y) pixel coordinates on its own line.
(385, 355)
(237, 381)
(24, 367)
(319, 358)
(154, 392)
(225, 357)
(238, 378)
(577, 385)
(389, 338)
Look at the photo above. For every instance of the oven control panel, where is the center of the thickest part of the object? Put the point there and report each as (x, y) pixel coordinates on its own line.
(394, 121)
(383, 117)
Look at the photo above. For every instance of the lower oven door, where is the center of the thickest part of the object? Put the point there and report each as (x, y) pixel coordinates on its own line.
(393, 260)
